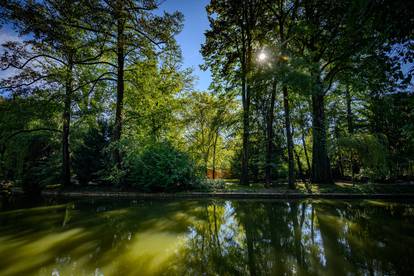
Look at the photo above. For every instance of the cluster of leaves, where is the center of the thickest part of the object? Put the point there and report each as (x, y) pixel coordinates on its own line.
(371, 153)
(161, 167)
(90, 157)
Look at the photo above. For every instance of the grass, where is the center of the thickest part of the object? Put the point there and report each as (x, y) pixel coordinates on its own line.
(232, 185)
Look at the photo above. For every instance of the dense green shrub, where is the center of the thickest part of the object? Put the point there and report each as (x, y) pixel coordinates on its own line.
(162, 167)
(41, 165)
(370, 151)
(89, 158)
(211, 185)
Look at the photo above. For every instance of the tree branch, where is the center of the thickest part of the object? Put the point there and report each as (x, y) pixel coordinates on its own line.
(32, 130)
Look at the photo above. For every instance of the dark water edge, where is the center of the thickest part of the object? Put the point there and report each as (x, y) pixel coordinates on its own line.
(231, 195)
(94, 236)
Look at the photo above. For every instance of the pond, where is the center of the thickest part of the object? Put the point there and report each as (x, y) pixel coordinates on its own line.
(206, 237)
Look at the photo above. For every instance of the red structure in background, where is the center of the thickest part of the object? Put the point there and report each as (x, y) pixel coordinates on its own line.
(218, 174)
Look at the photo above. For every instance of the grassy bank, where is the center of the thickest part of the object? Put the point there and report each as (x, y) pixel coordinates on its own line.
(231, 188)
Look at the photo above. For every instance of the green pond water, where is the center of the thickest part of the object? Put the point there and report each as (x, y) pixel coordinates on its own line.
(206, 237)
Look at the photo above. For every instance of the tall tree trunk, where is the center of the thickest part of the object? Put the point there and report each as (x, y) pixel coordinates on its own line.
(305, 150)
(321, 171)
(120, 82)
(269, 131)
(244, 180)
(349, 111)
(246, 55)
(3, 174)
(206, 156)
(214, 154)
(291, 165)
(338, 164)
(350, 127)
(300, 170)
(66, 123)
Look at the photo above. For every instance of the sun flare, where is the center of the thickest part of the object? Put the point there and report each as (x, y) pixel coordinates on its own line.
(262, 56)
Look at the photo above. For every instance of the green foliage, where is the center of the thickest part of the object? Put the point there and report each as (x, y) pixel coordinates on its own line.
(162, 168)
(210, 185)
(334, 58)
(89, 158)
(29, 149)
(209, 121)
(371, 152)
(114, 175)
(257, 164)
(41, 164)
(392, 116)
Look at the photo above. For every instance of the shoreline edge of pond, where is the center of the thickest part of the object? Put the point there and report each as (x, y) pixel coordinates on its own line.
(241, 195)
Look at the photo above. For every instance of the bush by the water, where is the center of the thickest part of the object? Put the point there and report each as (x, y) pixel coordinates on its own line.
(162, 167)
(89, 158)
(211, 185)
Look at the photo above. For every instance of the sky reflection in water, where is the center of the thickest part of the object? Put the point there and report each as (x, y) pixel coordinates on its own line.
(208, 237)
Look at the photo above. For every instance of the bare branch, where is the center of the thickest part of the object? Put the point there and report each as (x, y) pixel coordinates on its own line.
(32, 58)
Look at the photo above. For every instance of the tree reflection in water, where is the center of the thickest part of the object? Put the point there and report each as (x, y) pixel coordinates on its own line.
(215, 237)
(300, 237)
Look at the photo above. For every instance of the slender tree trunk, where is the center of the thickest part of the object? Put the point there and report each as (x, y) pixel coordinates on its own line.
(350, 127)
(269, 131)
(338, 164)
(291, 165)
(244, 177)
(305, 150)
(3, 174)
(244, 180)
(349, 111)
(246, 55)
(214, 155)
(120, 82)
(300, 170)
(321, 171)
(66, 123)
(206, 155)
